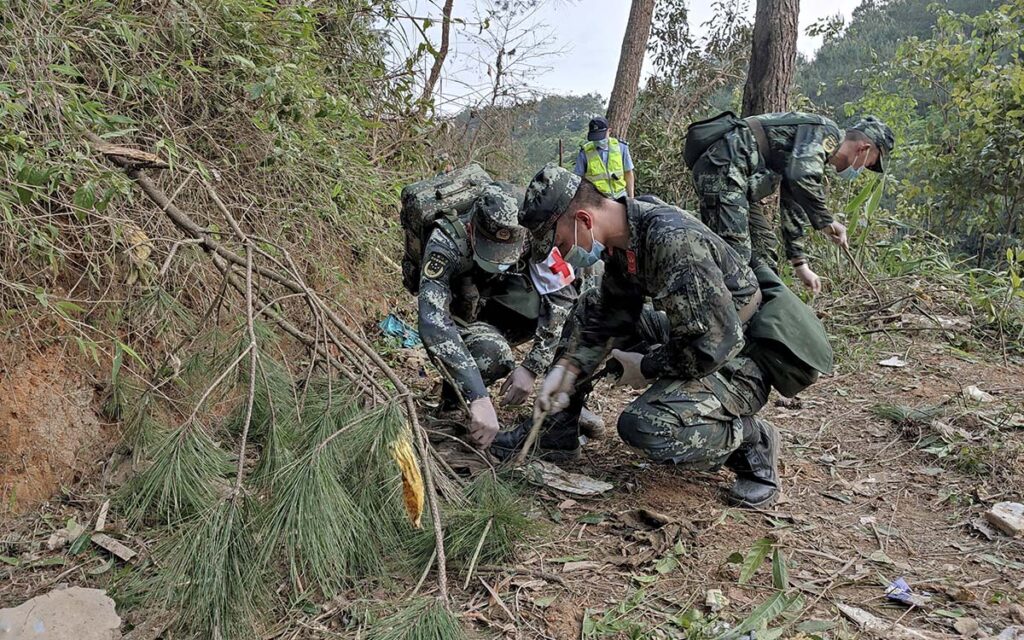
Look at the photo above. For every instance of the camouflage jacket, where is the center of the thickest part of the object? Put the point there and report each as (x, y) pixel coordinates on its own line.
(798, 154)
(453, 290)
(690, 273)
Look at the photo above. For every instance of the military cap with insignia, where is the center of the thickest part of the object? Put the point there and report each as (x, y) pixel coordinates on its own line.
(547, 197)
(881, 136)
(498, 240)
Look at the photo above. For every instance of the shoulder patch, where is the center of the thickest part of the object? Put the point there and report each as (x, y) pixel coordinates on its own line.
(830, 144)
(437, 264)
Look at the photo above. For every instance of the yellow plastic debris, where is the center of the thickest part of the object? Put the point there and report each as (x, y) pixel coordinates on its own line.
(412, 481)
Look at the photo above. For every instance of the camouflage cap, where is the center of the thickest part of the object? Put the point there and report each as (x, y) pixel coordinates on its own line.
(497, 237)
(547, 197)
(881, 136)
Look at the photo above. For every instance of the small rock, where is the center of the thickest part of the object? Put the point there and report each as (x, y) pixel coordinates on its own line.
(1008, 517)
(715, 600)
(967, 627)
(1011, 633)
(67, 614)
(1017, 613)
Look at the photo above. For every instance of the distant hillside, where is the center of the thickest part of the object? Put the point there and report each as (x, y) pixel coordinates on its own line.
(836, 74)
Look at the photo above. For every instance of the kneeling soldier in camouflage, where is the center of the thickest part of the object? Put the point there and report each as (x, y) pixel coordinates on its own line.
(720, 356)
(477, 296)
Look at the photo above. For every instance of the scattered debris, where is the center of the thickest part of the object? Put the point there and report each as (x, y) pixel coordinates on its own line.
(71, 531)
(974, 394)
(645, 519)
(886, 629)
(900, 591)
(715, 600)
(113, 546)
(101, 519)
(967, 627)
(549, 475)
(582, 565)
(152, 628)
(1008, 517)
(1011, 633)
(1017, 612)
(895, 362)
(395, 327)
(66, 614)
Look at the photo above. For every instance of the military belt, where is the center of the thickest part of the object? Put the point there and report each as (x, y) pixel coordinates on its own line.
(761, 138)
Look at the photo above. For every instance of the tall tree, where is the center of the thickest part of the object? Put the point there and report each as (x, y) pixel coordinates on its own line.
(631, 59)
(772, 58)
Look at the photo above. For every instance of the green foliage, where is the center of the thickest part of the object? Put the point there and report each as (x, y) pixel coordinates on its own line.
(182, 480)
(961, 142)
(840, 71)
(420, 619)
(493, 506)
(212, 575)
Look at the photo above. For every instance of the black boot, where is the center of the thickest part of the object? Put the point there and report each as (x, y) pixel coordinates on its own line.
(559, 439)
(756, 464)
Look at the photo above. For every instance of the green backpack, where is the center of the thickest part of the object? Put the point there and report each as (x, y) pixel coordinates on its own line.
(448, 195)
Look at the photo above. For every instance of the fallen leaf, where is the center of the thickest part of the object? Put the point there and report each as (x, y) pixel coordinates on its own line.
(895, 362)
(412, 481)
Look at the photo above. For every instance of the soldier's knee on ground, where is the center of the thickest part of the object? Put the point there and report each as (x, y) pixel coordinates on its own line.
(490, 351)
(659, 434)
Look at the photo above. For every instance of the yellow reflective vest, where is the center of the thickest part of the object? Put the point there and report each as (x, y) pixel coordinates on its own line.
(610, 179)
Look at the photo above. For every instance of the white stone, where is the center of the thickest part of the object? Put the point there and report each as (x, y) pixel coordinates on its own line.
(66, 614)
(1008, 517)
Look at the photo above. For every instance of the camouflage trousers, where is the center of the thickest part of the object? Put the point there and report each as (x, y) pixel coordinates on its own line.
(730, 188)
(695, 423)
(692, 423)
(491, 350)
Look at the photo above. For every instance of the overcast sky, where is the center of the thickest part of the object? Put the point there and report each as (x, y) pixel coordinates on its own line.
(588, 35)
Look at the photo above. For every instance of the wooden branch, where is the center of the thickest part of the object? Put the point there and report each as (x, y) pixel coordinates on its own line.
(185, 223)
(439, 57)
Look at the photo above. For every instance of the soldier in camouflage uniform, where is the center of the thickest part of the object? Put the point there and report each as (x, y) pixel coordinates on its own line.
(789, 152)
(477, 298)
(702, 391)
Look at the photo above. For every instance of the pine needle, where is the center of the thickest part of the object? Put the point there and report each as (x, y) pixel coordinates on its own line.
(419, 619)
(904, 414)
(327, 539)
(142, 431)
(493, 507)
(213, 577)
(181, 480)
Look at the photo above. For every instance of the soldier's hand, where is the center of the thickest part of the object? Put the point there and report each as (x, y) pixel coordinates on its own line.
(483, 422)
(631, 373)
(809, 278)
(554, 392)
(836, 232)
(517, 387)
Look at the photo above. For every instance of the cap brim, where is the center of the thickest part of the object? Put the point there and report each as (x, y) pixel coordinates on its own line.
(600, 134)
(496, 252)
(879, 166)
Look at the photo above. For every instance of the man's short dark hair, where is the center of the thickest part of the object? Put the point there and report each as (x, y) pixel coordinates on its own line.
(586, 196)
(857, 136)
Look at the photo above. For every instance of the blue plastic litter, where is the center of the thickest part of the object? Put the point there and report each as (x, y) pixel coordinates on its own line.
(899, 591)
(393, 326)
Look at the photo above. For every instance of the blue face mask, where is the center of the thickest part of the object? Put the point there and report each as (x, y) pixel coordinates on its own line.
(601, 144)
(580, 258)
(491, 267)
(850, 173)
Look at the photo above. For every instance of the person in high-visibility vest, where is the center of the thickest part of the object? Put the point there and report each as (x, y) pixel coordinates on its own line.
(605, 162)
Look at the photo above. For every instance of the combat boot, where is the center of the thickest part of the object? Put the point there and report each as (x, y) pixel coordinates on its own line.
(559, 439)
(756, 464)
(592, 425)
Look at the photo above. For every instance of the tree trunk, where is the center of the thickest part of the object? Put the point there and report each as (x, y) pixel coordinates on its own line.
(631, 59)
(442, 53)
(773, 57)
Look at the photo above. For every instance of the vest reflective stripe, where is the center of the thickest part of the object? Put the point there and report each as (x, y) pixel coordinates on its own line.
(610, 179)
